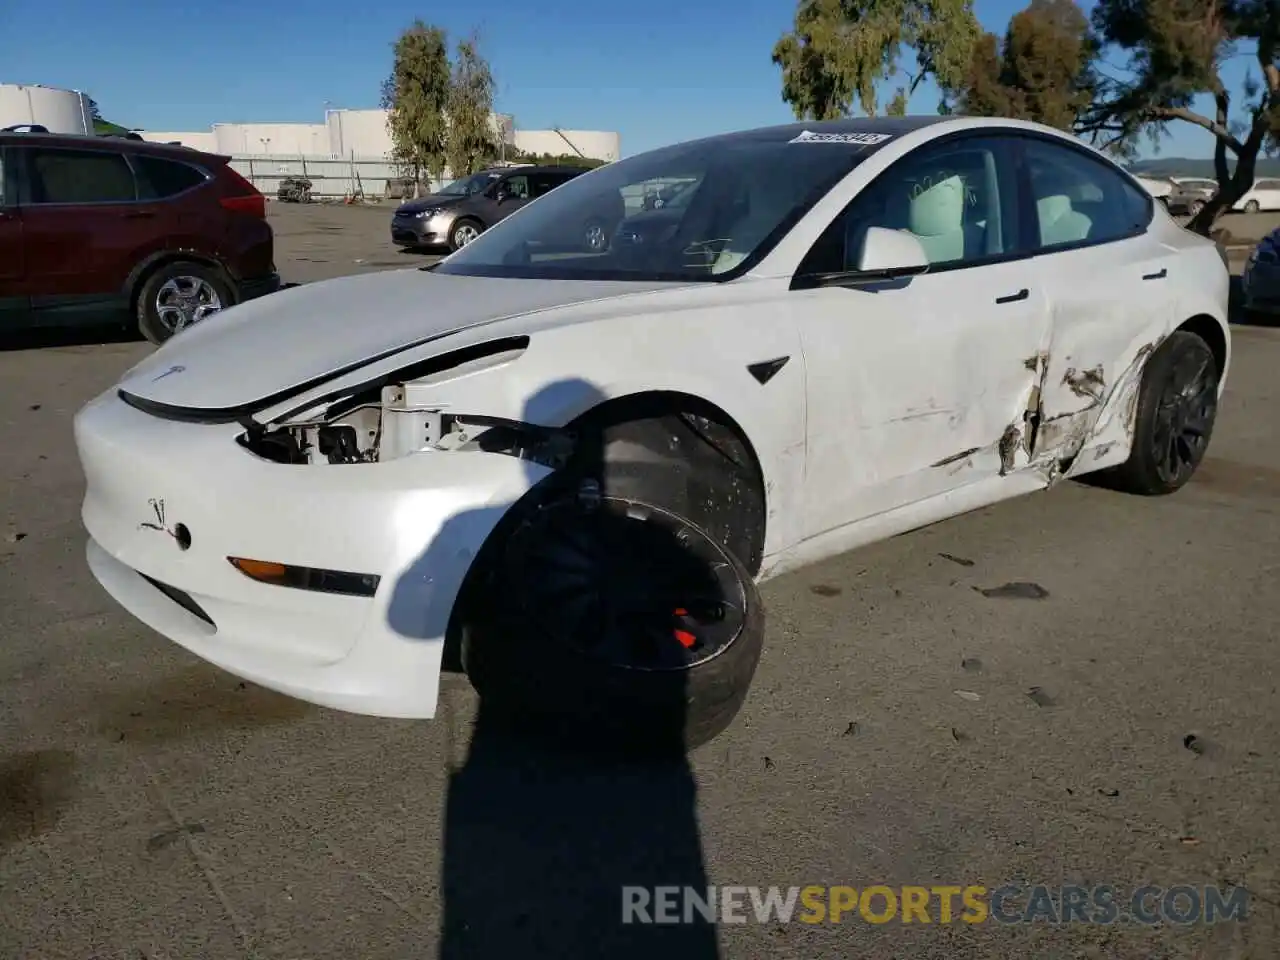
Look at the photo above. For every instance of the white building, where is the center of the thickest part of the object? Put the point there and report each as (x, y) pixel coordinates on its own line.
(362, 134)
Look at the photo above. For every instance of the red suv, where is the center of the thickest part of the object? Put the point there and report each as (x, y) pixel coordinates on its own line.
(96, 227)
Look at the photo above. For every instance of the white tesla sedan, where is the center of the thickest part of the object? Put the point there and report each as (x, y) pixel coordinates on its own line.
(574, 470)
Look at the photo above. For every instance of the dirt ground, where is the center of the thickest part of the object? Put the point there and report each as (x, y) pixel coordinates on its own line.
(1117, 726)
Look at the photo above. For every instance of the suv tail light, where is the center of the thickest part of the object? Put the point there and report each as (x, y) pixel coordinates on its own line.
(245, 197)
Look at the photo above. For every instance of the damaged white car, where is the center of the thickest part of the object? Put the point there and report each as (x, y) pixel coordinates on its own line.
(568, 473)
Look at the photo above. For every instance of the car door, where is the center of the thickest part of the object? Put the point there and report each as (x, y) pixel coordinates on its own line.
(13, 292)
(84, 230)
(1110, 286)
(917, 387)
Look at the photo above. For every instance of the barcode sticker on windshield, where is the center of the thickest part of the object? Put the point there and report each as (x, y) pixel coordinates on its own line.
(863, 139)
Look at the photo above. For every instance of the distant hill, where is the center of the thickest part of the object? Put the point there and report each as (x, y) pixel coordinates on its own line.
(1186, 167)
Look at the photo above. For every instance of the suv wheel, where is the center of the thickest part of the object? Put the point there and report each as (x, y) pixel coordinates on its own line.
(177, 296)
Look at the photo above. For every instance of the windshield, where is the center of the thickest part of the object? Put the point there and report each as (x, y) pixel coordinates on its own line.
(468, 185)
(725, 202)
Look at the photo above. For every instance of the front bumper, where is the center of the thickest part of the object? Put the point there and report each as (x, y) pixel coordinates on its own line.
(421, 231)
(417, 523)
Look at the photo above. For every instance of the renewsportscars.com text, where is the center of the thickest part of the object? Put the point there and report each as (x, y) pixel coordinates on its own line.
(878, 904)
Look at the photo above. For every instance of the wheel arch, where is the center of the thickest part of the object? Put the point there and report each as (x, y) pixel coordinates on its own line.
(467, 218)
(727, 436)
(730, 439)
(1211, 331)
(148, 268)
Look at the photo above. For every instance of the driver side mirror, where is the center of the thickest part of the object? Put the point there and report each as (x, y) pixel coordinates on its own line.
(501, 194)
(891, 253)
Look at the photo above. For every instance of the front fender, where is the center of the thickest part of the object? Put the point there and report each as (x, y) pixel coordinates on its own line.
(544, 387)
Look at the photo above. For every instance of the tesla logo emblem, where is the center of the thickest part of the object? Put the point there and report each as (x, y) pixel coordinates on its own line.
(179, 531)
(157, 507)
(169, 372)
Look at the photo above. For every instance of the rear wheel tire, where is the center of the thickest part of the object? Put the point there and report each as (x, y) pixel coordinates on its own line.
(1177, 408)
(1252, 207)
(177, 296)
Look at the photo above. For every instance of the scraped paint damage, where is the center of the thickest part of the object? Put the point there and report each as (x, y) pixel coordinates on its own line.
(1058, 440)
(1052, 442)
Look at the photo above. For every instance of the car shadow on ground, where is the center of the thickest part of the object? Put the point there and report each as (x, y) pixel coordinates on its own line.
(546, 821)
(39, 338)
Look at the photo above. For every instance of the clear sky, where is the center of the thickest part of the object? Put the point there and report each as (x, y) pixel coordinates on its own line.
(660, 71)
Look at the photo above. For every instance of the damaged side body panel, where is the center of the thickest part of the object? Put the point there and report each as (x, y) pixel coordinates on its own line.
(1085, 401)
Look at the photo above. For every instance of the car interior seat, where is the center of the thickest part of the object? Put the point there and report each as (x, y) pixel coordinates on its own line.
(1059, 221)
(935, 214)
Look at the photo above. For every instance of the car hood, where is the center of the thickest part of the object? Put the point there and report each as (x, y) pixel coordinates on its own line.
(268, 349)
(434, 202)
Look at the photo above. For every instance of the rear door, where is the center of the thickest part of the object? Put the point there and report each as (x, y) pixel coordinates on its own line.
(85, 229)
(185, 217)
(1109, 285)
(13, 292)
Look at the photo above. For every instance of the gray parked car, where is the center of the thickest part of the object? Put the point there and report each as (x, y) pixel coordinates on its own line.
(1189, 194)
(460, 212)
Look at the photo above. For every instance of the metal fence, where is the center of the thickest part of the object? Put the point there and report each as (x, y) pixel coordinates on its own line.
(330, 176)
(335, 177)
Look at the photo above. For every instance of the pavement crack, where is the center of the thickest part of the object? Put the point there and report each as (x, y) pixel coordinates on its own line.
(369, 880)
(201, 859)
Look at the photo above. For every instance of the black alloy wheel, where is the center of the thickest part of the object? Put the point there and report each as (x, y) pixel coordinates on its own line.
(626, 584)
(1184, 417)
(1174, 419)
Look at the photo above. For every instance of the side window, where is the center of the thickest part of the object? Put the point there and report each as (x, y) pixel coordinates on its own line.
(1080, 199)
(79, 176)
(518, 186)
(159, 178)
(958, 199)
(541, 183)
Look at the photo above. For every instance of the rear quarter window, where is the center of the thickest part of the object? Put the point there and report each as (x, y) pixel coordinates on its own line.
(159, 178)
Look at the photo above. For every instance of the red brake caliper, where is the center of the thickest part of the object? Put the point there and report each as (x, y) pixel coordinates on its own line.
(687, 639)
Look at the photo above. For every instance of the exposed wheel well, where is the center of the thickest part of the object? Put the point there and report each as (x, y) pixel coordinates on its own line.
(1210, 331)
(716, 428)
(152, 268)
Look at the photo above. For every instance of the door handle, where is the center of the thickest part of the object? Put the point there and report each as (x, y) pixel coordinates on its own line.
(1015, 297)
(139, 215)
(1158, 275)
